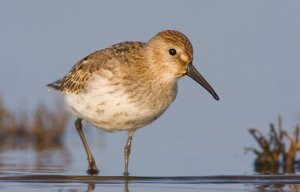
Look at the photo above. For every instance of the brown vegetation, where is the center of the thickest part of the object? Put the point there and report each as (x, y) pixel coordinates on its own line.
(275, 155)
(43, 127)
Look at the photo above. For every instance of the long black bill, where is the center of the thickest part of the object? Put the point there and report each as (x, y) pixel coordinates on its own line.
(194, 74)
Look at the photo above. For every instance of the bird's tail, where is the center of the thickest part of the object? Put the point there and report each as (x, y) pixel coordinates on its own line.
(55, 85)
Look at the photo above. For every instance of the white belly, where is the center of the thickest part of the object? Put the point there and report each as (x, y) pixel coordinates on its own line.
(108, 107)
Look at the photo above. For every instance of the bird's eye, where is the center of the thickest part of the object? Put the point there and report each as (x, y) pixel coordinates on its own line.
(172, 52)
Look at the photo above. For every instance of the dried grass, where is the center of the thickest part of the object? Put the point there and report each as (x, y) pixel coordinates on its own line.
(42, 128)
(278, 152)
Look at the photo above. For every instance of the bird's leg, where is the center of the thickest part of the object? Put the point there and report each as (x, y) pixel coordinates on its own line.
(92, 168)
(127, 151)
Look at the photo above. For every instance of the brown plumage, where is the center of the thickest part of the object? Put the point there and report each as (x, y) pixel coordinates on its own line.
(128, 85)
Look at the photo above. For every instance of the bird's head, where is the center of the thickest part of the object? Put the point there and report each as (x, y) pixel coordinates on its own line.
(172, 53)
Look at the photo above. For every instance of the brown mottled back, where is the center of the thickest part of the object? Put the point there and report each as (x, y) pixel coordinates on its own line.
(76, 80)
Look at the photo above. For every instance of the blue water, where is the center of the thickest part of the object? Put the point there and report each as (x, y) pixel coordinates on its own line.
(178, 164)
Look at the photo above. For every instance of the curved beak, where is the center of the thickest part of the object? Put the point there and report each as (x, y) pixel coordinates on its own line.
(194, 74)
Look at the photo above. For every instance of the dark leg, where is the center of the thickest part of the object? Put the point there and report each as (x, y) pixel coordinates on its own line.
(92, 169)
(127, 151)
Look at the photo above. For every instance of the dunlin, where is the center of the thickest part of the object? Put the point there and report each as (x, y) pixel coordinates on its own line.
(128, 85)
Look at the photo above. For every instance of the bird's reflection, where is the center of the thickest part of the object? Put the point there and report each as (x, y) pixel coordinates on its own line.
(92, 186)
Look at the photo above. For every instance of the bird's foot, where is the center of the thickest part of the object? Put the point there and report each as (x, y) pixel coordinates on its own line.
(92, 169)
(126, 173)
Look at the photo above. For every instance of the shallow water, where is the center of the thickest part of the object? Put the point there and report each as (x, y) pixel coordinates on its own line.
(62, 168)
(117, 183)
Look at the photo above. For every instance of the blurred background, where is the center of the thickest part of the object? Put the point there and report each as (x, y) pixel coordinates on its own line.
(249, 51)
